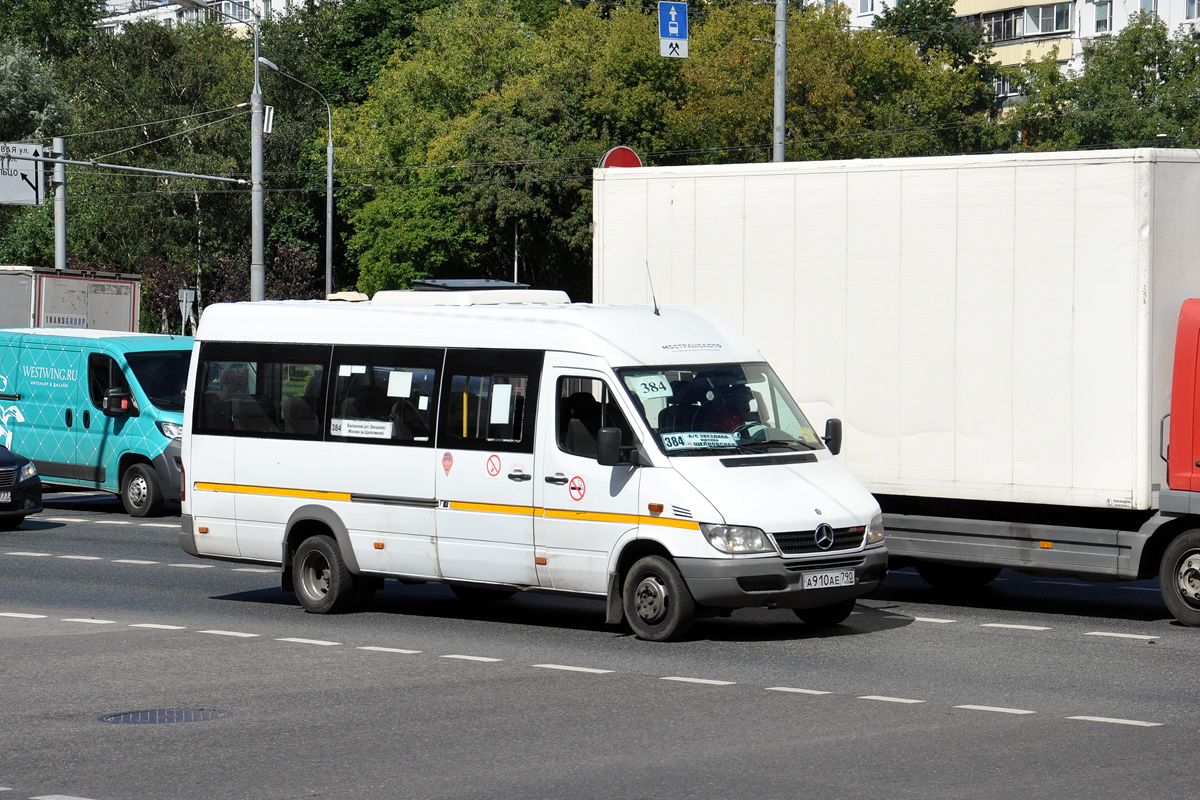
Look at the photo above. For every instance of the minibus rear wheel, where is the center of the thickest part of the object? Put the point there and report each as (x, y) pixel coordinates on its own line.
(322, 582)
(657, 602)
(140, 492)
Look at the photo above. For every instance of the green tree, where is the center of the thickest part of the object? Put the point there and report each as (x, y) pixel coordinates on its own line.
(32, 107)
(932, 25)
(52, 28)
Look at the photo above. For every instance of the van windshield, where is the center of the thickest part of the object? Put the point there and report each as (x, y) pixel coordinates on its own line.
(163, 376)
(694, 409)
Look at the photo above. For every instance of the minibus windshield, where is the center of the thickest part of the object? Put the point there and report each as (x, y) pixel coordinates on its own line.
(697, 409)
(162, 375)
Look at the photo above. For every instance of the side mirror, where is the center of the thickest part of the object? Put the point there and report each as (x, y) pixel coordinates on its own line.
(833, 435)
(117, 403)
(608, 446)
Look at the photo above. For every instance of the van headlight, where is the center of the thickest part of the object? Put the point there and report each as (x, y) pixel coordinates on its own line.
(27, 473)
(171, 430)
(736, 538)
(875, 531)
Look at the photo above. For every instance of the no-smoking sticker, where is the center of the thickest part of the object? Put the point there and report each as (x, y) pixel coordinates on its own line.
(576, 488)
(493, 465)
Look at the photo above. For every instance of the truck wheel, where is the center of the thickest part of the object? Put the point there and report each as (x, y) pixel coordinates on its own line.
(826, 616)
(955, 578)
(657, 602)
(1179, 578)
(140, 492)
(323, 584)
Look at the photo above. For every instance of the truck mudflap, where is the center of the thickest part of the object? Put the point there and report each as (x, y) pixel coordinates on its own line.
(780, 582)
(168, 466)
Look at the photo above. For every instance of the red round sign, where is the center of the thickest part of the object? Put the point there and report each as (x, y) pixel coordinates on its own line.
(493, 465)
(620, 156)
(576, 488)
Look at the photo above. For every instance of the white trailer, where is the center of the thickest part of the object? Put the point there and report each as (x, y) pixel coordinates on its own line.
(996, 331)
(31, 297)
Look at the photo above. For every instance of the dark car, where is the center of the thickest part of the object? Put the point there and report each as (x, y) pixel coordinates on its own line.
(20, 489)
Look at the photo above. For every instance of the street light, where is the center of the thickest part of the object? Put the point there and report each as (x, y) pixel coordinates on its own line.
(257, 270)
(328, 174)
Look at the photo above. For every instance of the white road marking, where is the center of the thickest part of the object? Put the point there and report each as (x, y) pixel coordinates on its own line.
(132, 561)
(474, 658)
(61, 519)
(192, 566)
(255, 569)
(389, 650)
(28, 554)
(158, 627)
(157, 525)
(81, 558)
(705, 681)
(231, 633)
(309, 641)
(15, 615)
(1141, 636)
(89, 621)
(1136, 722)
(574, 669)
(937, 620)
(57, 797)
(794, 691)
(885, 699)
(1014, 627)
(997, 709)
(113, 522)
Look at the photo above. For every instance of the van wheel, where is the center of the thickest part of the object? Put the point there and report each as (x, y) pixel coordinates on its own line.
(955, 578)
(657, 602)
(140, 492)
(479, 594)
(826, 616)
(323, 584)
(1179, 578)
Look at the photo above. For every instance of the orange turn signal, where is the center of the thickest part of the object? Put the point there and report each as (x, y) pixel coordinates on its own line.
(202, 529)
(1046, 545)
(655, 508)
(539, 560)
(379, 545)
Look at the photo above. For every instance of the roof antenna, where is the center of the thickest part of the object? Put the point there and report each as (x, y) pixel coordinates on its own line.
(653, 299)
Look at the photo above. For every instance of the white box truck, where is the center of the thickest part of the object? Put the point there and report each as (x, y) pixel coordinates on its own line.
(31, 297)
(998, 332)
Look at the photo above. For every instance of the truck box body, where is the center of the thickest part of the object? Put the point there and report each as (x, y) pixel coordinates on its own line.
(44, 298)
(994, 328)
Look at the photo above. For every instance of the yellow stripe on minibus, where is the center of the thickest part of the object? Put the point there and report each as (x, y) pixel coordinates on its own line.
(495, 508)
(629, 519)
(272, 491)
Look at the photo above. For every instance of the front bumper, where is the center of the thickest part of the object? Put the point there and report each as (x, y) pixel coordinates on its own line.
(777, 582)
(25, 499)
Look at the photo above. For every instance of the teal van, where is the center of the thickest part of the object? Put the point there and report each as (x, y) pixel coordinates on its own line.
(97, 409)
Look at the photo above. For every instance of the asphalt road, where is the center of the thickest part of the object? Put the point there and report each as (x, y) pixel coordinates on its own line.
(1031, 687)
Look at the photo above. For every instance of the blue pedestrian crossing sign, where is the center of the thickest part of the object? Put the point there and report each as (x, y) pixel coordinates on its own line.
(672, 30)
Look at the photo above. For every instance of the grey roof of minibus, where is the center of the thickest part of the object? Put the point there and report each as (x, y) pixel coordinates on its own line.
(623, 335)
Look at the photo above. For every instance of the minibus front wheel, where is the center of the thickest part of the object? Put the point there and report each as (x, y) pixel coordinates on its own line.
(319, 575)
(658, 605)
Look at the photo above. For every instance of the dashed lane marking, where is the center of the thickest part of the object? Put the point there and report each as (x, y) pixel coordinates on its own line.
(1142, 636)
(61, 519)
(389, 650)
(22, 616)
(157, 525)
(81, 558)
(158, 627)
(937, 620)
(705, 681)
(90, 621)
(574, 669)
(1014, 627)
(113, 522)
(256, 569)
(133, 561)
(320, 642)
(192, 566)
(232, 633)
(997, 709)
(473, 658)
(885, 699)
(794, 690)
(57, 797)
(1135, 722)
(34, 555)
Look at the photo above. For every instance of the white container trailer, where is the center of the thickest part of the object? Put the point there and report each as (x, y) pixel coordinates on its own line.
(31, 297)
(996, 331)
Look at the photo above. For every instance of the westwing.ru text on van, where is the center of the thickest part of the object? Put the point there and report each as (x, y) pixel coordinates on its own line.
(97, 409)
(510, 441)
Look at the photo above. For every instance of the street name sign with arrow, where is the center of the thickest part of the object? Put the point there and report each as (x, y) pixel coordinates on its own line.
(22, 181)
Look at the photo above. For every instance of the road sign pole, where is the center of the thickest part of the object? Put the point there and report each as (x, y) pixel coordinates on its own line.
(780, 75)
(60, 204)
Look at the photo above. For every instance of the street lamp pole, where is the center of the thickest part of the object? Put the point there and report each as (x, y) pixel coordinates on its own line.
(257, 267)
(328, 173)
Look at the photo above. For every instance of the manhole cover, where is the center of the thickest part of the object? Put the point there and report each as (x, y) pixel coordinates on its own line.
(162, 716)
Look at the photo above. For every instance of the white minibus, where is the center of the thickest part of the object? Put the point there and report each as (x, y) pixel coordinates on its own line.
(511, 441)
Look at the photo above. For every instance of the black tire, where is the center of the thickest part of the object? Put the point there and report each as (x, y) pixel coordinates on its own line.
(955, 578)
(657, 603)
(826, 616)
(140, 492)
(1179, 578)
(11, 523)
(481, 594)
(322, 582)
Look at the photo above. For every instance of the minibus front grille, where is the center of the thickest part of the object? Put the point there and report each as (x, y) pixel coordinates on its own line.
(799, 543)
(826, 563)
(8, 477)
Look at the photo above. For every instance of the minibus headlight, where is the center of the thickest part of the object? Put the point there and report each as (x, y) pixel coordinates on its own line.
(736, 538)
(28, 473)
(171, 430)
(875, 530)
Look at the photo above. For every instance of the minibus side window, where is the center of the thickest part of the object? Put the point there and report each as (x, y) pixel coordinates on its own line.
(384, 395)
(489, 400)
(261, 390)
(584, 406)
(104, 374)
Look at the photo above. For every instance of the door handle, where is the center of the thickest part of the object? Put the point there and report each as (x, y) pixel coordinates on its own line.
(558, 479)
(68, 417)
(519, 476)
(87, 419)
